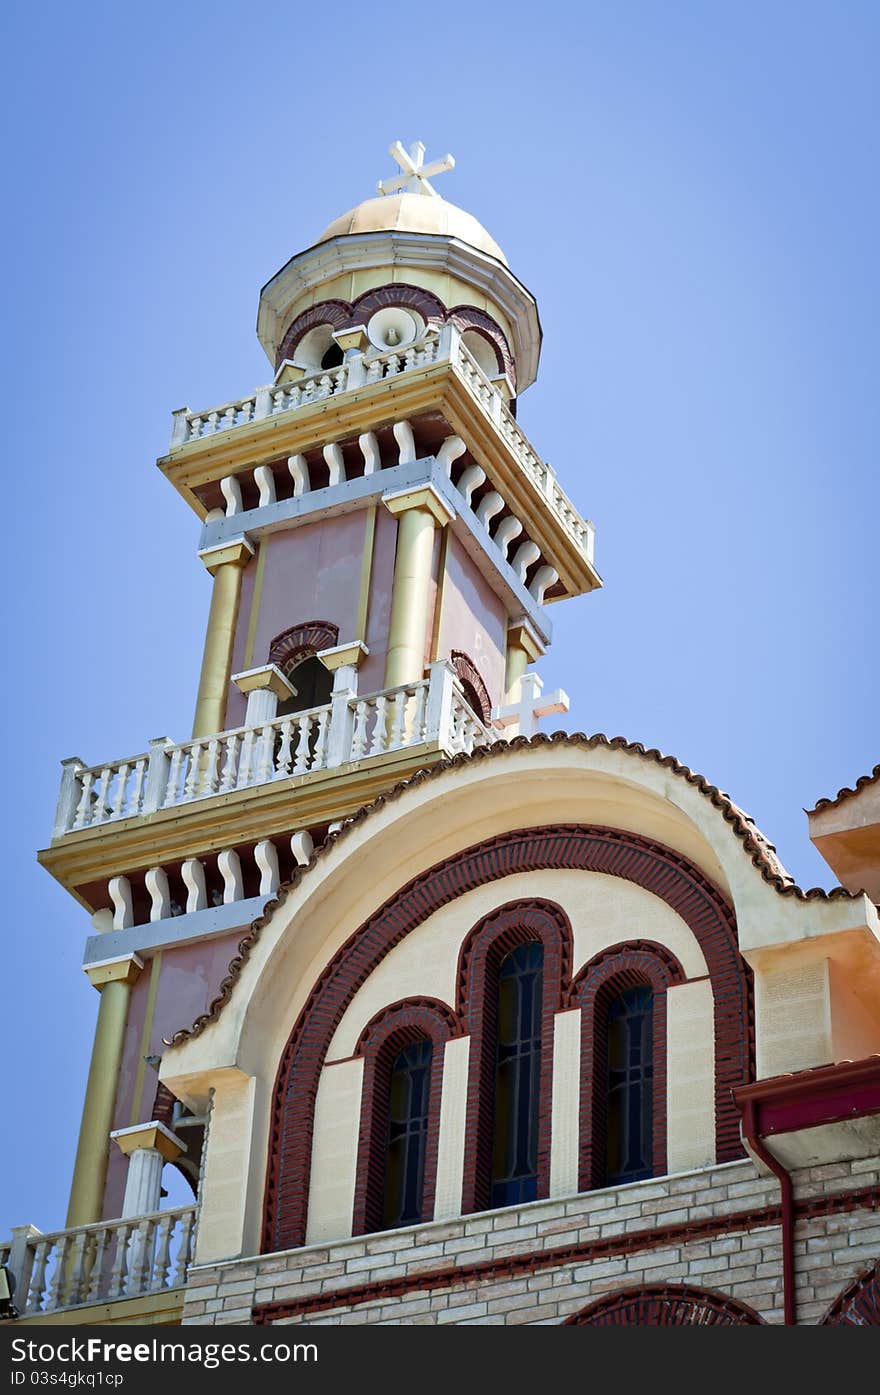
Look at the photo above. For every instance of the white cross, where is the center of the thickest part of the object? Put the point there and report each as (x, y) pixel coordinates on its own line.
(414, 174)
(525, 713)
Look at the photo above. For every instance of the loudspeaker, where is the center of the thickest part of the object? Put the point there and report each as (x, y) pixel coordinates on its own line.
(392, 328)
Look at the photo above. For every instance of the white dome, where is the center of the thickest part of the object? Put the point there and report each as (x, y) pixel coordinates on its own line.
(414, 213)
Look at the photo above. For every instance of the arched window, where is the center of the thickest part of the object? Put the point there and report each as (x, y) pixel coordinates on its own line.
(403, 1049)
(629, 1086)
(409, 1088)
(518, 1063)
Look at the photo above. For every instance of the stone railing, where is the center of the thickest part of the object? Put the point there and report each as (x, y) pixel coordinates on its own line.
(361, 370)
(350, 728)
(101, 1262)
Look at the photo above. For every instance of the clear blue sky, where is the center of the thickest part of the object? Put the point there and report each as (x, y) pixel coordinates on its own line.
(690, 190)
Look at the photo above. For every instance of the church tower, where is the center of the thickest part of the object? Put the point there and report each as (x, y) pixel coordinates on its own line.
(384, 973)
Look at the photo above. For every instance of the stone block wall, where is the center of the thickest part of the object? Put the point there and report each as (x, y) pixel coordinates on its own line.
(717, 1228)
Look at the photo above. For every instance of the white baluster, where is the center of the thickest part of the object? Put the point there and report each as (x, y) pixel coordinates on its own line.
(97, 1270)
(122, 774)
(398, 721)
(417, 732)
(525, 555)
(120, 1261)
(191, 783)
(359, 734)
(370, 451)
(58, 1286)
(36, 1293)
(491, 504)
(231, 491)
(171, 789)
(209, 778)
(264, 769)
(140, 1259)
(265, 482)
(406, 443)
(508, 529)
(266, 858)
(471, 479)
(184, 1249)
(283, 761)
(319, 756)
(77, 1287)
(544, 577)
(83, 808)
(99, 808)
(449, 452)
(119, 890)
(335, 463)
(302, 846)
(227, 779)
(163, 1254)
(301, 764)
(140, 774)
(156, 881)
(193, 873)
(299, 471)
(378, 743)
(247, 755)
(229, 866)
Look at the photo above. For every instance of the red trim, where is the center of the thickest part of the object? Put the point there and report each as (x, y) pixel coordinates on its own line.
(469, 673)
(327, 312)
(823, 1095)
(469, 317)
(584, 847)
(415, 1019)
(665, 1305)
(519, 922)
(429, 306)
(609, 973)
(534, 1261)
(859, 1303)
(302, 640)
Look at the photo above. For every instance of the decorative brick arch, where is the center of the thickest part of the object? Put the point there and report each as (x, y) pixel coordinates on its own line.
(327, 312)
(301, 641)
(666, 1305)
(638, 962)
(517, 923)
(429, 306)
(469, 317)
(615, 852)
(412, 1019)
(471, 677)
(859, 1303)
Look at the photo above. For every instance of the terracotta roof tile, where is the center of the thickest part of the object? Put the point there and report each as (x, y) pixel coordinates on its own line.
(846, 792)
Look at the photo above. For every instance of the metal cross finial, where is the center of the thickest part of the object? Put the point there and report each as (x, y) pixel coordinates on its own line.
(414, 175)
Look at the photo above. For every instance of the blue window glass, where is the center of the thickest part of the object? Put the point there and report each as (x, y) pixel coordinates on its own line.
(407, 1135)
(630, 1086)
(517, 1076)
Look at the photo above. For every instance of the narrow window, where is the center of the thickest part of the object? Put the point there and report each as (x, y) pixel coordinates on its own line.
(518, 1063)
(409, 1089)
(630, 1086)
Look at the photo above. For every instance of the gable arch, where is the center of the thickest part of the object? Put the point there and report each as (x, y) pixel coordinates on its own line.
(301, 642)
(580, 847)
(666, 1305)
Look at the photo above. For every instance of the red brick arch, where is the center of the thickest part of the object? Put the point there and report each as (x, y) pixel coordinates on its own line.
(412, 1019)
(429, 306)
(327, 312)
(301, 641)
(666, 1305)
(859, 1303)
(615, 852)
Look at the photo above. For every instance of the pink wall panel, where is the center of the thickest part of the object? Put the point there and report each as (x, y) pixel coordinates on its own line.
(474, 619)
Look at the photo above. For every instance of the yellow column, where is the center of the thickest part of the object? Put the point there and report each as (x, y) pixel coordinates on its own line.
(523, 648)
(226, 564)
(419, 512)
(114, 979)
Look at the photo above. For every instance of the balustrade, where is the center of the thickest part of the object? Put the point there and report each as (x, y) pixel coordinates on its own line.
(172, 774)
(102, 1262)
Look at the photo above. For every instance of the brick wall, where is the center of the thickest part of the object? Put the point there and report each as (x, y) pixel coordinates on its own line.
(717, 1228)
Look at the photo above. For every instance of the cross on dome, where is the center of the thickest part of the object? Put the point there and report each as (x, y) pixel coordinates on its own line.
(414, 173)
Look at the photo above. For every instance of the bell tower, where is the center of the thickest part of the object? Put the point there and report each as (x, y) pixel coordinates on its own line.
(384, 544)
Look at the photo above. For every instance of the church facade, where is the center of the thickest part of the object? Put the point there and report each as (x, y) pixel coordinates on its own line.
(443, 1019)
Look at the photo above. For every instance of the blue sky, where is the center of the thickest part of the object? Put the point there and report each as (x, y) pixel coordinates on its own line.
(690, 191)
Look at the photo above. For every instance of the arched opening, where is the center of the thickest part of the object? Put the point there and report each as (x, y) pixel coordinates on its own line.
(480, 349)
(333, 357)
(517, 1076)
(665, 1305)
(313, 683)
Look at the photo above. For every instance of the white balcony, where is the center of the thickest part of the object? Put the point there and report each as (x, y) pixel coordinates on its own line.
(350, 729)
(361, 372)
(100, 1263)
